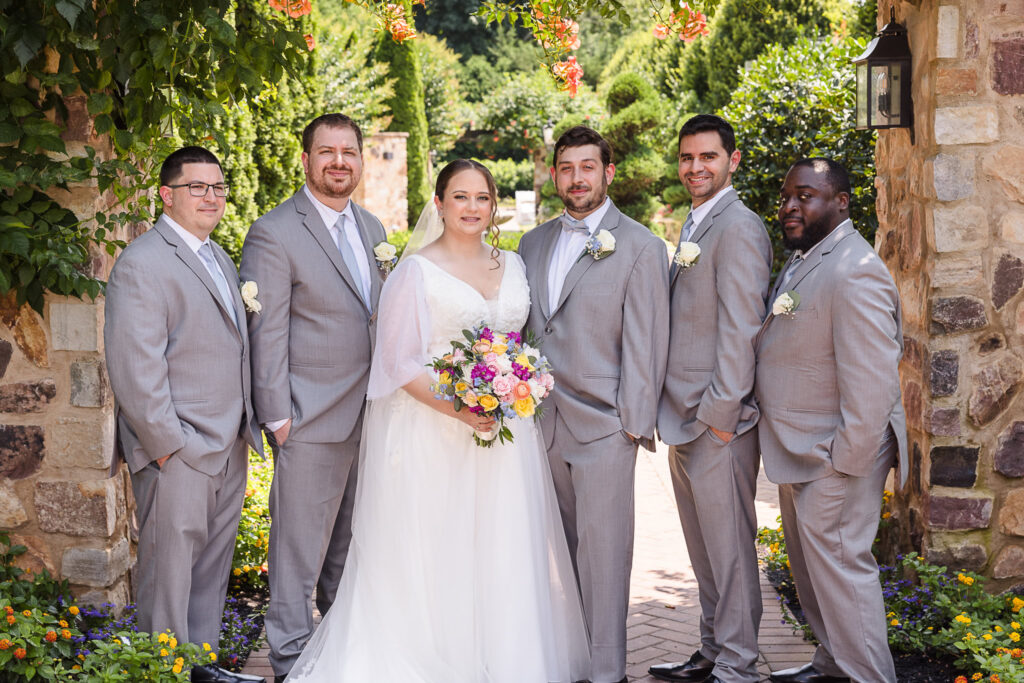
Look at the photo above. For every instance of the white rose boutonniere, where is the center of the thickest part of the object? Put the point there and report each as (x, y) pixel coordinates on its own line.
(687, 255)
(601, 245)
(386, 255)
(786, 303)
(249, 291)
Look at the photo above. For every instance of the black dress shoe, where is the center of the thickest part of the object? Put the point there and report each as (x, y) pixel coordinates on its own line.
(214, 674)
(694, 670)
(280, 678)
(805, 674)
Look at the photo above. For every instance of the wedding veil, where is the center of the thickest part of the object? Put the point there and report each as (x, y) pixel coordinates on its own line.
(428, 228)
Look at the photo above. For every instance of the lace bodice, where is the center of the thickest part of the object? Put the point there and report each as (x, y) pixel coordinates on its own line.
(423, 308)
(456, 305)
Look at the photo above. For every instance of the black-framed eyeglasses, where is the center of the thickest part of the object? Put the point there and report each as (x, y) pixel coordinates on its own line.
(200, 189)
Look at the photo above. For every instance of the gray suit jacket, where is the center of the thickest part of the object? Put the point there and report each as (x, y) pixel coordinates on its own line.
(607, 339)
(717, 307)
(178, 366)
(828, 379)
(311, 344)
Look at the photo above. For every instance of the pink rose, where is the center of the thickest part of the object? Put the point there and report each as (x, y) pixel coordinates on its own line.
(503, 384)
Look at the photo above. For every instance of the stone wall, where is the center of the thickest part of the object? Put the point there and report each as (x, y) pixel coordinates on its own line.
(384, 188)
(951, 213)
(57, 496)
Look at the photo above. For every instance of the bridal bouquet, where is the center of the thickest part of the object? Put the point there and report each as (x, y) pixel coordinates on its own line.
(494, 374)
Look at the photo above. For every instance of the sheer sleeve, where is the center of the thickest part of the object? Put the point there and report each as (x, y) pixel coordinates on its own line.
(403, 331)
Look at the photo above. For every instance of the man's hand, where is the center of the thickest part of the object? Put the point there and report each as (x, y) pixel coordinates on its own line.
(724, 436)
(281, 434)
(160, 461)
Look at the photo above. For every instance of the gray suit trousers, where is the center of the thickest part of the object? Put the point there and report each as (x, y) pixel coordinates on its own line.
(594, 486)
(829, 525)
(308, 541)
(715, 484)
(187, 527)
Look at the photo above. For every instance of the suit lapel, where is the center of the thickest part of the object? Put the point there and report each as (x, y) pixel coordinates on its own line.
(228, 266)
(315, 225)
(583, 264)
(191, 259)
(376, 280)
(704, 226)
(547, 250)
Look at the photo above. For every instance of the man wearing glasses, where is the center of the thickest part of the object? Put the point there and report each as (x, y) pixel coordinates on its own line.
(177, 351)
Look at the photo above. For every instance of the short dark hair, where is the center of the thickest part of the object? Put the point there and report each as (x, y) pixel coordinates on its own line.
(580, 136)
(702, 123)
(170, 170)
(330, 121)
(835, 174)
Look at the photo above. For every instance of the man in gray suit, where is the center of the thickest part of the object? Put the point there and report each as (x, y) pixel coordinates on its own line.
(599, 307)
(707, 413)
(832, 420)
(312, 260)
(178, 359)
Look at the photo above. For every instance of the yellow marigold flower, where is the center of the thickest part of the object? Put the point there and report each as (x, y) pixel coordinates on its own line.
(968, 636)
(73, 611)
(894, 622)
(206, 647)
(236, 571)
(213, 656)
(176, 669)
(962, 618)
(995, 679)
(173, 642)
(63, 624)
(246, 569)
(27, 613)
(162, 638)
(960, 679)
(65, 634)
(997, 628)
(976, 676)
(163, 652)
(1017, 604)
(886, 515)
(1014, 636)
(987, 636)
(891, 614)
(1015, 625)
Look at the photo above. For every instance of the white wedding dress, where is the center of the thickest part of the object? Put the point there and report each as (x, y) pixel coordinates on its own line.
(458, 570)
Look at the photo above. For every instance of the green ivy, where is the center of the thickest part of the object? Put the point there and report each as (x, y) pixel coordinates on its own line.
(144, 71)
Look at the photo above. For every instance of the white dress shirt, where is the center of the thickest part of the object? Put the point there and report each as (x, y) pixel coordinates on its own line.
(330, 218)
(567, 251)
(799, 256)
(700, 213)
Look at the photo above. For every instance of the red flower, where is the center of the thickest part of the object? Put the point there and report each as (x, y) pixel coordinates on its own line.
(570, 73)
(293, 8)
(310, 41)
(50, 636)
(20, 653)
(660, 31)
(4, 644)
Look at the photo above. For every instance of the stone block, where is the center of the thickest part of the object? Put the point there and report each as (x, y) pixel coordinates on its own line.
(83, 442)
(1011, 515)
(1008, 66)
(971, 42)
(945, 372)
(1007, 279)
(88, 384)
(992, 389)
(27, 397)
(74, 327)
(966, 557)
(960, 228)
(954, 513)
(913, 352)
(953, 177)
(955, 466)
(30, 337)
(1009, 562)
(957, 314)
(966, 125)
(1006, 165)
(944, 422)
(22, 449)
(96, 567)
(1009, 456)
(86, 508)
(957, 270)
(956, 82)
(117, 595)
(947, 36)
(36, 557)
(1011, 227)
(912, 404)
(6, 351)
(12, 512)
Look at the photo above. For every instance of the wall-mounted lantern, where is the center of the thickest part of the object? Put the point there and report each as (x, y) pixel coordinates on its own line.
(883, 80)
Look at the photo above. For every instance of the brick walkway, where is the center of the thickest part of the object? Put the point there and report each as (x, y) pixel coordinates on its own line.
(664, 612)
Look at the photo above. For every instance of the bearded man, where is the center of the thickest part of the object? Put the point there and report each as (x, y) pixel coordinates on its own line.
(318, 284)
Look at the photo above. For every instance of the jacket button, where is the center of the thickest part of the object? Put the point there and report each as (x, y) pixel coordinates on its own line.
(547, 330)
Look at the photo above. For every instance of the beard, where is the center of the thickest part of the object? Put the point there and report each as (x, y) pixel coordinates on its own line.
(334, 188)
(812, 234)
(587, 203)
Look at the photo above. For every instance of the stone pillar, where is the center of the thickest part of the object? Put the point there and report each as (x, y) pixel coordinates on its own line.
(384, 189)
(951, 229)
(57, 495)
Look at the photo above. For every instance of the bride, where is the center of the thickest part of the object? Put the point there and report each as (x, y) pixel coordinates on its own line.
(458, 570)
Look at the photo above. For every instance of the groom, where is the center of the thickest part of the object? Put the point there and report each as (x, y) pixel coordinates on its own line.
(599, 308)
(312, 260)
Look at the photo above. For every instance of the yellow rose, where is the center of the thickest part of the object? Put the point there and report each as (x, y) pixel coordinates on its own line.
(488, 402)
(521, 359)
(524, 407)
(499, 348)
(461, 387)
(444, 378)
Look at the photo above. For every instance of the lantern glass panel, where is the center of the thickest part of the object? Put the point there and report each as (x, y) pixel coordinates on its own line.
(886, 83)
(862, 95)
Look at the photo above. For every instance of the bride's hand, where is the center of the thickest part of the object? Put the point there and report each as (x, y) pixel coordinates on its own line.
(481, 423)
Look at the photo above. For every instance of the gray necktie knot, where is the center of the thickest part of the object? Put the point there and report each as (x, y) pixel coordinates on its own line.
(570, 224)
(687, 228)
